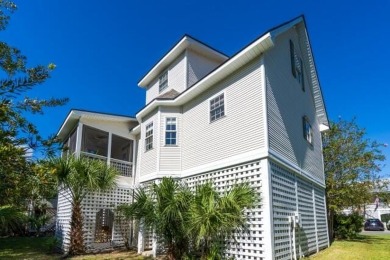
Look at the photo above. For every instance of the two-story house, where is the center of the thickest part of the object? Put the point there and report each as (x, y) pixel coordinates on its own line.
(256, 116)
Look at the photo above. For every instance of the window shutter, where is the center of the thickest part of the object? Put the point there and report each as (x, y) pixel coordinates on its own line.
(292, 57)
(302, 75)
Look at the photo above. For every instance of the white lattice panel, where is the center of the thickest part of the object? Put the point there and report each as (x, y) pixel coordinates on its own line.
(64, 212)
(322, 227)
(284, 205)
(246, 245)
(92, 203)
(290, 193)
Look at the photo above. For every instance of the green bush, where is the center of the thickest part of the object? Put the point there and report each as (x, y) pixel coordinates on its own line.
(385, 218)
(348, 226)
(12, 220)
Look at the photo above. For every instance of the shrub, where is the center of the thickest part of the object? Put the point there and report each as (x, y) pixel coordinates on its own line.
(12, 220)
(348, 226)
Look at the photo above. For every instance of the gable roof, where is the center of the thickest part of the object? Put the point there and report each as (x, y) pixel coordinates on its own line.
(253, 49)
(75, 115)
(186, 42)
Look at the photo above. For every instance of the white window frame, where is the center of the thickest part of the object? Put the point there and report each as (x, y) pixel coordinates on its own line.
(171, 121)
(149, 137)
(307, 130)
(213, 98)
(163, 81)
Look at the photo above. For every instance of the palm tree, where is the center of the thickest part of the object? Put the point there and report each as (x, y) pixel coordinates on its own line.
(80, 176)
(162, 208)
(213, 217)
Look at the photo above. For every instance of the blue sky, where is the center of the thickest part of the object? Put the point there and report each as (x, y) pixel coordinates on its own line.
(103, 48)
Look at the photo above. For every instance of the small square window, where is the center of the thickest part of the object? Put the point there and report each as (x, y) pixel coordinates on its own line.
(307, 130)
(170, 131)
(217, 107)
(149, 137)
(163, 81)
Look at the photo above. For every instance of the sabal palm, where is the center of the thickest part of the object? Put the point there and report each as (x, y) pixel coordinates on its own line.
(80, 176)
(214, 216)
(162, 208)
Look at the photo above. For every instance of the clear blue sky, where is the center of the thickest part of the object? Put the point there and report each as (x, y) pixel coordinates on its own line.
(103, 48)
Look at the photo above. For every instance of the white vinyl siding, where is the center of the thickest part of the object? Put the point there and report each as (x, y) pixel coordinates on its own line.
(176, 78)
(198, 66)
(287, 103)
(241, 131)
(170, 156)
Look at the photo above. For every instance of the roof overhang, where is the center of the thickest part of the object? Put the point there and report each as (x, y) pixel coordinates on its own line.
(186, 42)
(75, 115)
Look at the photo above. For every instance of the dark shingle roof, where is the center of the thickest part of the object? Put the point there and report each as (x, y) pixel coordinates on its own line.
(169, 95)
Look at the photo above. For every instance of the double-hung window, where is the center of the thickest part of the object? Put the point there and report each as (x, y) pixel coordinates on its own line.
(307, 130)
(149, 137)
(170, 131)
(163, 81)
(217, 107)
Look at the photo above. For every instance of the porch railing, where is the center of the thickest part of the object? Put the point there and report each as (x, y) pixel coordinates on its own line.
(124, 168)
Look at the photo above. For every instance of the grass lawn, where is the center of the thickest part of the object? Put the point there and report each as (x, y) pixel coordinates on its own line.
(364, 247)
(38, 248)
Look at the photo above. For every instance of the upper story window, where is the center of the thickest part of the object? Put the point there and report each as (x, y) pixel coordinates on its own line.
(170, 131)
(217, 107)
(307, 130)
(163, 81)
(149, 137)
(296, 65)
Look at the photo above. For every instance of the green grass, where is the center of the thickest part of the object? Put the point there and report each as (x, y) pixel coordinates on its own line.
(39, 248)
(367, 247)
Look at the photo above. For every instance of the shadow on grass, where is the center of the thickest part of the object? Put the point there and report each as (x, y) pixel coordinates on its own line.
(368, 239)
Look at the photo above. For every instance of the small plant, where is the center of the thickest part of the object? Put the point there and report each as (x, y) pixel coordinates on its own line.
(52, 244)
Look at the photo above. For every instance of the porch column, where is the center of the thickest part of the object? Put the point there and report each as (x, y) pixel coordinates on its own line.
(79, 138)
(154, 245)
(109, 148)
(141, 244)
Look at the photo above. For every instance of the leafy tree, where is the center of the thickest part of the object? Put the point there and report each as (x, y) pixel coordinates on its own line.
(214, 216)
(352, 162)
(81, 176)
(17, 134)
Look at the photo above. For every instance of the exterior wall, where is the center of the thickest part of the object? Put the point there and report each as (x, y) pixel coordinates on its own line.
(248, 245)
(198, 66)
(291, 194)
(286, 106)
(148, 160)
(176, 79)
(170, 156)
(64, 212)
(240, 131)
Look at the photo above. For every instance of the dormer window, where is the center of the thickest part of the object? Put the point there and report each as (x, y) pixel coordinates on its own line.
(163, 81)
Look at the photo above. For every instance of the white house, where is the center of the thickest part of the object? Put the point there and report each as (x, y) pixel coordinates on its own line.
(256, 116)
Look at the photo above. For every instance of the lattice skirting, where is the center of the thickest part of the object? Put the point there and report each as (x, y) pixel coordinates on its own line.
(291, 193)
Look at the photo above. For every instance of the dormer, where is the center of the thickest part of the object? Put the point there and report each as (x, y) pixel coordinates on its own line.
(184, 65)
